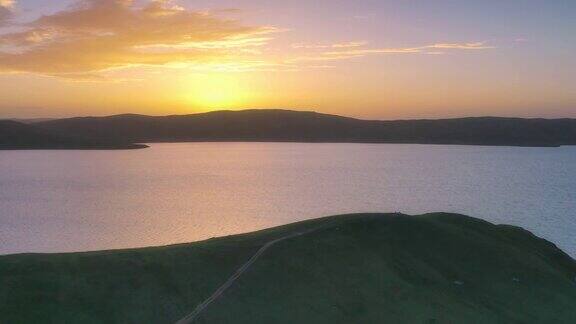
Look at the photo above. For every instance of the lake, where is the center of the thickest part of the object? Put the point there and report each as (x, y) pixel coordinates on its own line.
(63, 201)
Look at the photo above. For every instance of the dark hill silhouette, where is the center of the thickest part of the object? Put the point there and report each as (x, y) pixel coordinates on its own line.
(16, 135)
(297, 126)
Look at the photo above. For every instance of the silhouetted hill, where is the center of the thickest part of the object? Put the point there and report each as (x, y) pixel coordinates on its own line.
(295, 126)
(15, 135)
(367, 268)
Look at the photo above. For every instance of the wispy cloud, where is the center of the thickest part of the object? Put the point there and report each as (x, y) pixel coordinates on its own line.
(336, 45)
(97, 35)
(342, 53)
(459, 46)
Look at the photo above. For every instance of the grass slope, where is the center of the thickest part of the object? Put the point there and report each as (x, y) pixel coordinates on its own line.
(367, 268)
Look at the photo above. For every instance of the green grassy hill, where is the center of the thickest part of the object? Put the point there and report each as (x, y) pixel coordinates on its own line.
(368, 268)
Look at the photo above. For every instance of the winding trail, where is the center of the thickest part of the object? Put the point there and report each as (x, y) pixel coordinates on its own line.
(200, 308)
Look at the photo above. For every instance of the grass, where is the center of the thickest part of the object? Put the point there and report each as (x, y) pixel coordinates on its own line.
(367, 268)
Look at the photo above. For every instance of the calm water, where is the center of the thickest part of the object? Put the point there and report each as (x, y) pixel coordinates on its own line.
(55, 201)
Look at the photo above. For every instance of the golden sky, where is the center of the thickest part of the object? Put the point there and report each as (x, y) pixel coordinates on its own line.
(365, 58)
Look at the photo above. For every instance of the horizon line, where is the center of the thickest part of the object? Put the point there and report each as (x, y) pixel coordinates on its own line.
(39, 119)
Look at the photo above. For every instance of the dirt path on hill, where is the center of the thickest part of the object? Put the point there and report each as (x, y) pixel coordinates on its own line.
(200, 308)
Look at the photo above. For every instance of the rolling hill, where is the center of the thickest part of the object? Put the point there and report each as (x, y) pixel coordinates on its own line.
(366, 268)
(15, 135)
(297, 126)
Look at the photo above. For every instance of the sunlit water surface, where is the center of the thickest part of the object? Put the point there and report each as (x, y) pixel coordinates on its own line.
(57, 201)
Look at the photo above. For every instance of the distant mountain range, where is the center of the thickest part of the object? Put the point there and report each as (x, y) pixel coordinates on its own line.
(282, 126)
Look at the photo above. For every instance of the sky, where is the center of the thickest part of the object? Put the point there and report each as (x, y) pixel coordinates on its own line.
(374, 59)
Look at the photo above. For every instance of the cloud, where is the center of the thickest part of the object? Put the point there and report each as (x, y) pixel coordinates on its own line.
(460, 46)
(6, 11)
(7, 3)
(336, 45)
(357, 50)
(94, 36)
(5, 15)
(97, 35)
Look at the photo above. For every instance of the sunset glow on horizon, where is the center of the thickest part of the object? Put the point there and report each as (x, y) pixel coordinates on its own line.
(367, 58)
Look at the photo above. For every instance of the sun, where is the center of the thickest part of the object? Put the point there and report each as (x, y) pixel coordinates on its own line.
(218, 96)
(217, 91)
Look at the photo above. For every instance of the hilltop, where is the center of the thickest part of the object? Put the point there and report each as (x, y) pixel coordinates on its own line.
(366, 268)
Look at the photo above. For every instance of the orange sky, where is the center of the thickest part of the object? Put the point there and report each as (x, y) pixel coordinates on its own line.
(370, 59)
